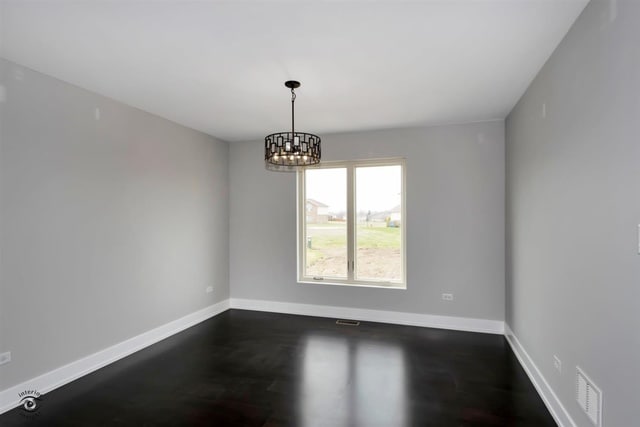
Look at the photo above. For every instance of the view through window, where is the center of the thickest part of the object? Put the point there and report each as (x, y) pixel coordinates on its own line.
(351, 223)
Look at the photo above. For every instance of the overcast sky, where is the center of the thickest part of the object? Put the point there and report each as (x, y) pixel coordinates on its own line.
(377, 188)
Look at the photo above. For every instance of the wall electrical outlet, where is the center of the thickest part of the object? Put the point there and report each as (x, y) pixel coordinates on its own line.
(5, 358)
(557, 363)
(209, 289)
(447, 297)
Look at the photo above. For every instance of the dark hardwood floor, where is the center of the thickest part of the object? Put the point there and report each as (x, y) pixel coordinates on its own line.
(245, 368)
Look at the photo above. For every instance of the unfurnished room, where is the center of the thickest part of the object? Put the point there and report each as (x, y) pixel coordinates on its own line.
(314, 213)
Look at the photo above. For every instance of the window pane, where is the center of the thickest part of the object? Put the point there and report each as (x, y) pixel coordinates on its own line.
(378, 223)
(326, 222)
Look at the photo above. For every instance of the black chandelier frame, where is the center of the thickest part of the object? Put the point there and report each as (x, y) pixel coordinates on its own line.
(287, 151)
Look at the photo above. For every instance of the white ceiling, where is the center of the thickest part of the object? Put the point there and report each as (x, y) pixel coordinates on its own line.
(219, 67)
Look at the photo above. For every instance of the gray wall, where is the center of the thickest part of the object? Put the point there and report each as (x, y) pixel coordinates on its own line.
(108, 228)
(455, 220)
(573, 210)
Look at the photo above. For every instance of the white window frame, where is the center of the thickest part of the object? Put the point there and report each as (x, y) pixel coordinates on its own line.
(351, 225)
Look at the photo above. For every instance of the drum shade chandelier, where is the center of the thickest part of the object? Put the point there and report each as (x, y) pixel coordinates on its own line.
(286, 151)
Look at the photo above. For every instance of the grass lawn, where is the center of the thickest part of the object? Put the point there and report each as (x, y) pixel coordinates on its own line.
(378, 251)
(378, 237)
(332, 236)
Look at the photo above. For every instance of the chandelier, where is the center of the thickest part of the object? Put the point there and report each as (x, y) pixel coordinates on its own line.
(286, 151)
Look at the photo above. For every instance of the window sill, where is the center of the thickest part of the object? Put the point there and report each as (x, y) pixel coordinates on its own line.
(381, 285)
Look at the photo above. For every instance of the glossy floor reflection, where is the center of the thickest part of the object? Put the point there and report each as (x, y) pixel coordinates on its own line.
(246, 368)
(346, 382)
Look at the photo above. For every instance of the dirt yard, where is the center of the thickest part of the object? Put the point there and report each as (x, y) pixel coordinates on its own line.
(373, 263)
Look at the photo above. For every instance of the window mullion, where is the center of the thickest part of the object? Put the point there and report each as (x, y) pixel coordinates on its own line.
(302, 224)
(351, 221)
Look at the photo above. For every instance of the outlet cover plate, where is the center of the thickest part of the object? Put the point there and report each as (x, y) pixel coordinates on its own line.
(5, 358)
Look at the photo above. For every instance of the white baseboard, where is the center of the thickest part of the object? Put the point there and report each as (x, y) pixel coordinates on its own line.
(395, 317)
(553, 404)
(58, 377)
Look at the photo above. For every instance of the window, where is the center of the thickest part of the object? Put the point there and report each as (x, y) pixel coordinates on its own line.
(351, 227)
